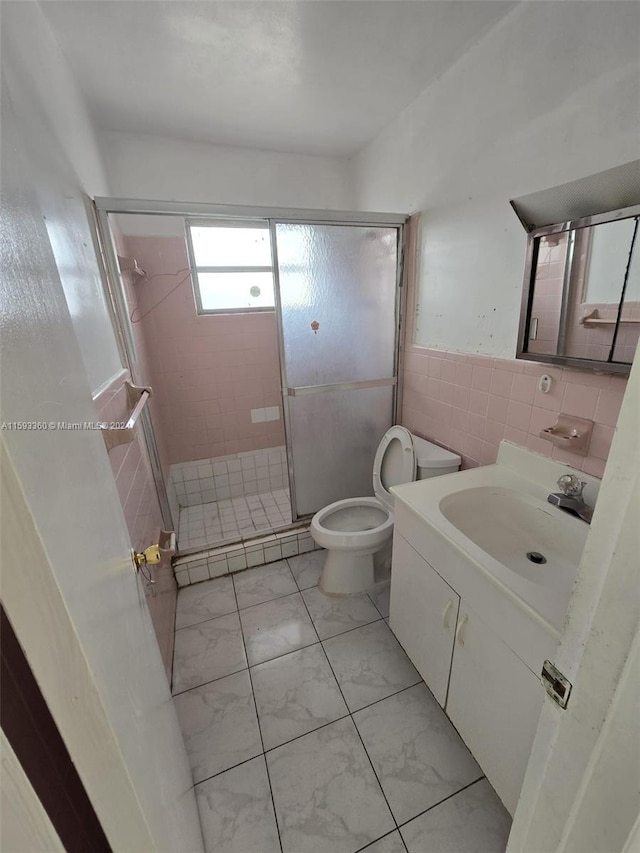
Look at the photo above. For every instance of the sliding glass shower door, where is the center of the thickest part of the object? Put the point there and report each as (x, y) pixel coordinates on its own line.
(338, 308)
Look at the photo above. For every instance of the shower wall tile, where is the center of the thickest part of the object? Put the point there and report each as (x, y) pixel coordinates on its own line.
(207, 371)
(224, 477)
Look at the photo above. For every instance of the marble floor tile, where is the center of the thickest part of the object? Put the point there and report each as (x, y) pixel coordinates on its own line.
(204, 601)
(307, 568)
(474, 821)
(369, 664)
(418, 755)
(391, 843)
(333, 616)
(264, 584)
(295, 694)
(326, 795)
(219, 724)
(276, 627)
(380, 597)
(236, 811)
(207, 651)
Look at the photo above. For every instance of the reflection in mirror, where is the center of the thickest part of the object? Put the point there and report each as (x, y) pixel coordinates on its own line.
(629, 328)
(584, 298)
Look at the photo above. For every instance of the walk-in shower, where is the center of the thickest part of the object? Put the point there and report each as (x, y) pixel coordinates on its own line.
(270, 339)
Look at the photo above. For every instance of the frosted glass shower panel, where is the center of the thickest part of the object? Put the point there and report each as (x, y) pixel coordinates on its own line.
(335, 436)
(338, 300)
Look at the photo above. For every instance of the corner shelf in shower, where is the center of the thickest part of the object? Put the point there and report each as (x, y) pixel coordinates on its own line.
(137, 396)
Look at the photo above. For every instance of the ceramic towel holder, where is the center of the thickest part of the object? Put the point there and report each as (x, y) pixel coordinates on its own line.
(569, 432)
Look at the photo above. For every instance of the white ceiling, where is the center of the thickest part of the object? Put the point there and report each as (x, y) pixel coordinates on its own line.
(315, 77)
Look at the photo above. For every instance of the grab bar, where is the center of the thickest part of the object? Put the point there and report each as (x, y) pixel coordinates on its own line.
(137, 396)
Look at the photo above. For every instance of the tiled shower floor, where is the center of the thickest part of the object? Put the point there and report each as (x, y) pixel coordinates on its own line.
(308, 729)
(212, 523)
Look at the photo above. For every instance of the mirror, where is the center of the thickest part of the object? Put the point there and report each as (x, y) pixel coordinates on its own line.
(581, 301)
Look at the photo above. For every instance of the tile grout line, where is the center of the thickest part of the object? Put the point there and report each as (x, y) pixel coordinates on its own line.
(350, 714)
(238, 609)
(444, 800)
(382, 837)
(255, 705)
(344, 699)
(304, 734)
(268, 660)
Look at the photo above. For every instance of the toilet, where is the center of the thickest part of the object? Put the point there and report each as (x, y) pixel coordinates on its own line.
(354, 531)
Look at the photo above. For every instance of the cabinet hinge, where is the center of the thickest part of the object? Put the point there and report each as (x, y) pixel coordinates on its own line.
(556, 685)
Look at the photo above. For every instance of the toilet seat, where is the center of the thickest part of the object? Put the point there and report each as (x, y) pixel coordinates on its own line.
(357, 532)
(394, 463)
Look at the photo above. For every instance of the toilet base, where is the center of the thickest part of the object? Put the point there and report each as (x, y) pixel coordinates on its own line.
(346, 573)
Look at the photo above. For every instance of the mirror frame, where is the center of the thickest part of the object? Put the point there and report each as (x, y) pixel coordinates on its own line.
(533, 244)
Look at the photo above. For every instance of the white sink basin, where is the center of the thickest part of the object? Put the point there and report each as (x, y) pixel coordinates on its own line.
(495, 515)
(511, 525)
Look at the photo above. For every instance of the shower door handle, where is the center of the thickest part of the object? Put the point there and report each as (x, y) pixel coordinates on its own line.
(304, 390)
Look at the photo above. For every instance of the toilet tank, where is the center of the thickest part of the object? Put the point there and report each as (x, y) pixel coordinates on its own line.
(433, 460)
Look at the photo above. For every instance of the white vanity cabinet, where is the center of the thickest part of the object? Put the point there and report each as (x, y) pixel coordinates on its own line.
(423, 615)
(490, 695)
(494, 701)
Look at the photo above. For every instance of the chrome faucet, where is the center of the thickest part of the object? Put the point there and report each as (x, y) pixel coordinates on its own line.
(570, 497)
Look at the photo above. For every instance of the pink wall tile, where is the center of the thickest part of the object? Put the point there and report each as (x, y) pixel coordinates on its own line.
(501, 382)
(464, 374)
(524, 388)
(478, 402)
(512, 407)
(608, 407)
(207, 371)
(494, 432)
(519, 415)
(461, 397)
(497, 408)
(580, 400)
(482, 378)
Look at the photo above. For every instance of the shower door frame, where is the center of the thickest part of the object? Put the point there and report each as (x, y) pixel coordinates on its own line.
(363, 221)
(106, 206)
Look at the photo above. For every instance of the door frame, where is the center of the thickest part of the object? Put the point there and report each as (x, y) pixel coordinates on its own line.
(569, 775)
(105, 206)
(43, 625)
(116, 302)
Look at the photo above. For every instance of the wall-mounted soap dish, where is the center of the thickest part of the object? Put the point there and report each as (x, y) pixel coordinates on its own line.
(569, 432)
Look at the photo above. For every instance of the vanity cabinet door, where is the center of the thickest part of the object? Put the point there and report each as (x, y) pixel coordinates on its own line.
(423, 616)
(494, 702)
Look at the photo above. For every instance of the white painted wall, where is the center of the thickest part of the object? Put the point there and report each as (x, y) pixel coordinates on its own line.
(65, 166)
(548, 96)
(153, 167)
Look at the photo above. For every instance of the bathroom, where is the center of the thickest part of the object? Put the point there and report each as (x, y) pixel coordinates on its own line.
(443, 154)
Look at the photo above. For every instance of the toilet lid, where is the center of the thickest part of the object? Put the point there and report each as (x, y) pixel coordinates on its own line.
(395, 463)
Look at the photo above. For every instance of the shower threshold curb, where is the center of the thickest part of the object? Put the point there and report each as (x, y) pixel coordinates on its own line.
(235, 557)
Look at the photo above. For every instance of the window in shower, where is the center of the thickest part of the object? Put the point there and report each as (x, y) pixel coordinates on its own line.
(231, 266)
